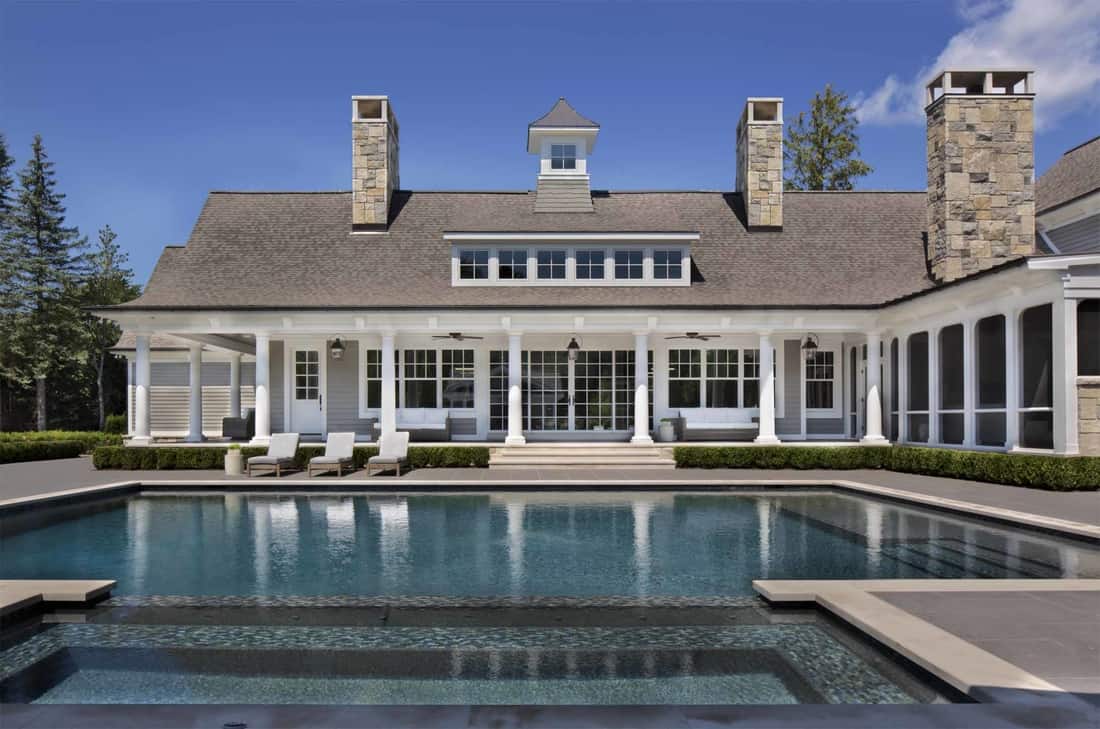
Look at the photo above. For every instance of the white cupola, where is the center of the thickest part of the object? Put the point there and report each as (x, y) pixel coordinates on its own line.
(563, 139)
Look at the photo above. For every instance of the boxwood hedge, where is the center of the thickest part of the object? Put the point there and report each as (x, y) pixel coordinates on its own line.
(39, 450)
(188, 458)
(88, 439)
(1080, 473)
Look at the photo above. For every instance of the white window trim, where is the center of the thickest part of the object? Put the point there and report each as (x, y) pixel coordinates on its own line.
(777, 364)
(399, 378)
(837, 410)
(571, 265)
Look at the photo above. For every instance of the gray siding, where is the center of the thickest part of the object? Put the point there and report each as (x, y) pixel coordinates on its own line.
(791, 422)
(176, 374)
(169, 406)
(562, 196)
(342, 395)
(463, 426)
(276, 358)
(1082, 236)
(824, 426)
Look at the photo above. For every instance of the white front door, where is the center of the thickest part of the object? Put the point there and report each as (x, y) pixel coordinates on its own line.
(307, 399)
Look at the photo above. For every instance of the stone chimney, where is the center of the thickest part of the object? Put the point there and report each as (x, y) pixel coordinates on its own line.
(981, 170)
(760, 162)
(374, 168)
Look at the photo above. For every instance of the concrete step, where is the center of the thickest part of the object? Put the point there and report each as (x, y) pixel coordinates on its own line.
(581, 455)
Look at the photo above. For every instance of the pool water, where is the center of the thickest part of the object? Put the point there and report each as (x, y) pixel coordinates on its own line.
(515, 544)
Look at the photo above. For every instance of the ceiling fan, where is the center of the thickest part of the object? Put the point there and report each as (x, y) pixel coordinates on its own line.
(695, 335)
(457, 336)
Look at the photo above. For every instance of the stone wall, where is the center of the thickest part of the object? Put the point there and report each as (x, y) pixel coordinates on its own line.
(760, 172)
(981, 191)
(374, 171)
(1088, 415)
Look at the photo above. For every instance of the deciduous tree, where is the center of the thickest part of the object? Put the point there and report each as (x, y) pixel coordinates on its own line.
(822, 149)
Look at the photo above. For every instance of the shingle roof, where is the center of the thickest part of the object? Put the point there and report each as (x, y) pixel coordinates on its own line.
(563, 115)
(1076, 173)
(295, 250)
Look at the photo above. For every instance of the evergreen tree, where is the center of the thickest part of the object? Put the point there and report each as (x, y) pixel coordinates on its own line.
(822, 151)
(47, 273)
(7, 272)
(109, 281)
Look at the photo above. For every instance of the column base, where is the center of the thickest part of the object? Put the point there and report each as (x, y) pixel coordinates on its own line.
(874, 440)
(141, 440)
(642, 440)
(260, 440)
(766, 440)
(515, 440)
(195, 439)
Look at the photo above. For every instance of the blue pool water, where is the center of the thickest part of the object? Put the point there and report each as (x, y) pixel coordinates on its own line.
(644, 544)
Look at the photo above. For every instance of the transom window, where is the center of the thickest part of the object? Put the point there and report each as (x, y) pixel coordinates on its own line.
(820, 372)
(307, 374)
(512, 263)
(563, 156)
(473, 264)
(551, 264)
(628, 264)
(590, 264)
(667, 264)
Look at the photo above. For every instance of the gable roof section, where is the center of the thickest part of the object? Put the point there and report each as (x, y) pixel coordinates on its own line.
(563, 115)
(1075, 174)
(295, 250)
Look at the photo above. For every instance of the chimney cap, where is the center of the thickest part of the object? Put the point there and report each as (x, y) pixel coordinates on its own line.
(980, 82)
(762, 110)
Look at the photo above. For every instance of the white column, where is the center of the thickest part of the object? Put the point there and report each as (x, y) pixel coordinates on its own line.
(1064, 369)
(1012, 379)
(129, 397)
(263, 390)
(235, 386)
(873, 423)
(194, 391)
(767, 391)
(515, 394)
(141, 392)
(970, 380)
(389, 385)
(641, 389)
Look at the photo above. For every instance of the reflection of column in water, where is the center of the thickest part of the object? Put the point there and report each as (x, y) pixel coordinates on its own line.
(534, 657)
(1067, 556)
(970, 539)
(650, 661)
(611, 663)
(874, 535)
(137, 527)
(284, 532)
(687, 664)
(261, 554)
(764, 535)
(393, 539)
(494, 665)
(642, 561)
(1012, 556)
(515, 545)
(571, 664)
(456, 664)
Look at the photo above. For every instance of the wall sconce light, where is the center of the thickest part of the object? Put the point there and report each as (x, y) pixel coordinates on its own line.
(336, 349)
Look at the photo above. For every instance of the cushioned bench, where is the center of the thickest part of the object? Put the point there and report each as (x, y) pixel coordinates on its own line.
(713, 424)
(423, 423)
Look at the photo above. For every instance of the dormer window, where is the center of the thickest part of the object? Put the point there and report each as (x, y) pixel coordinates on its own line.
(552, 264)
(668, 264)
(473, 264)
(563, 156)
(629, 264)
(513, 264)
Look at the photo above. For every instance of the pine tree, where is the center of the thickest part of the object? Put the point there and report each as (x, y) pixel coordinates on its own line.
(7, 270)
(822, 152)
(45, 282)
(109, 281)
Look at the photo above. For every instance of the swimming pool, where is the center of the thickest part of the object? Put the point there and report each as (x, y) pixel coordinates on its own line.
(510, 544)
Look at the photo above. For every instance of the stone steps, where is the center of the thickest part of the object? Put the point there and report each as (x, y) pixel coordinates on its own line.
(581, 455)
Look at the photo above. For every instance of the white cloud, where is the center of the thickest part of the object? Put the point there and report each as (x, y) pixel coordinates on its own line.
(1059, 39)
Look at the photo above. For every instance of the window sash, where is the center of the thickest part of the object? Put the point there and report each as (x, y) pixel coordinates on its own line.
(551, 264)
(668, 264)
(512, 264)
(820, 376)
(473, 264)
(591, 264)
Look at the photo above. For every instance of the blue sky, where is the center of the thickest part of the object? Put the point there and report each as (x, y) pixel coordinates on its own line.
(146, 107)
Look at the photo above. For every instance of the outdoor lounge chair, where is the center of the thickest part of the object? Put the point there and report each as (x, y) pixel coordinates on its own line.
(393, 450)
(242, 428)
(280, 454)
(338, 454)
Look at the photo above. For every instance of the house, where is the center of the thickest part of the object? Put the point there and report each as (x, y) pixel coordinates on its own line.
(965, 315)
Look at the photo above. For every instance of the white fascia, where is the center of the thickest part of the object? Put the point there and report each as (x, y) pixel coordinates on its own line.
(1063, 262)
(570, 236)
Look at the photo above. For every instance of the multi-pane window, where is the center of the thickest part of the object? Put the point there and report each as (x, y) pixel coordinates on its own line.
(473, 264)
(551, 264)
(590, 264)
(628, 264)
(458, 378)
(512, 264)
(820, 373)
(307, 374)
(498, 389)
(563, 156)
(624, 389)
(684, 373)
(750, 372)
(373, 377)
(721, 378)
(420, 378)
(668, 264)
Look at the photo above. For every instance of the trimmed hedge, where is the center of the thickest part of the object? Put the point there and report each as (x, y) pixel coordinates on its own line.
(115, 424)
(88, 439)
(200, 458)
(39, 450)
(1080, 473)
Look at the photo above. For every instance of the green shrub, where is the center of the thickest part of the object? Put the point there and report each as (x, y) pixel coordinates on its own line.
(88, 439)
(38, 450)
(125, 458)
(449, 457)
(201, 458)
(116, 424)
(1034, 471)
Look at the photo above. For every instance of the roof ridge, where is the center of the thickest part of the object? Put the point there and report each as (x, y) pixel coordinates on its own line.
(279, 192)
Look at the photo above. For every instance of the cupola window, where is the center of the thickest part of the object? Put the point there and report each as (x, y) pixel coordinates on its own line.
(563, 156)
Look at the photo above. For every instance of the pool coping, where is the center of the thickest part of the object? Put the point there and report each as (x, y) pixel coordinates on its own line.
(1061, 527)
(954, 660)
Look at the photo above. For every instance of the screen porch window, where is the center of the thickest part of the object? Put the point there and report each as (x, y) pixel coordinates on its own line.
(421, 373)
(563, 156)
(894, 380)
(551, 264)
(307, 374)
(512, 264)
(629, 264)
(473, 264)
(668, 264)
(1036, 377)
(590, 264)
(917, 413)
(458, 378)
(951, 385)
(820, 376)
(1088, 338)
(722, 378)
(989, 411)
(684, 375)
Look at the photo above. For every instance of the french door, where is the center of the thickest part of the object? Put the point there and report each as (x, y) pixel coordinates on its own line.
(594, 393)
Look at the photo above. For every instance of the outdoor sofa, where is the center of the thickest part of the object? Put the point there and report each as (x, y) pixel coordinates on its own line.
(713, 424)
(242, 428)
(423, 424)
